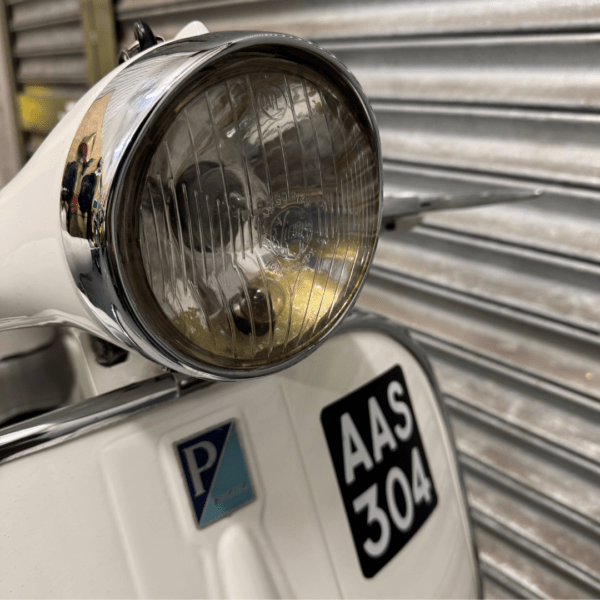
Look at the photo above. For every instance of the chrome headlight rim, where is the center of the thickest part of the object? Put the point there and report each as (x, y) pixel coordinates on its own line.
(115, 303)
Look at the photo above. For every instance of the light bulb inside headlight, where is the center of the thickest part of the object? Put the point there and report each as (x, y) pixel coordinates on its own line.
(244, 216)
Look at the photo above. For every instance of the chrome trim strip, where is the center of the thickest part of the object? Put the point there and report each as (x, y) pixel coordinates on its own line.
(73, 421)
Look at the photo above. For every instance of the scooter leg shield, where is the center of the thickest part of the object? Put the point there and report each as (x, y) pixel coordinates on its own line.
(336, 477)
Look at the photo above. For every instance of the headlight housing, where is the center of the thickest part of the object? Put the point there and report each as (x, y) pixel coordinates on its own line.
(234, 206)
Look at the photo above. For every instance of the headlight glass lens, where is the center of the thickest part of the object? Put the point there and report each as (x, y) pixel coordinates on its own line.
(257, 214)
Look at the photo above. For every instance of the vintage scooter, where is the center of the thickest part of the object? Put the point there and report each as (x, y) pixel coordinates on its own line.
(208, 213)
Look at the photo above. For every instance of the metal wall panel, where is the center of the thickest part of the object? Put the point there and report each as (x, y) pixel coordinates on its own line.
(48, 42)
(10, 137)
(48, 53)
(58, 49)
(336, 19)
(474, 96)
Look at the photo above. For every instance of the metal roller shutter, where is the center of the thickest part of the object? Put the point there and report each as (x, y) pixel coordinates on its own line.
(58, 48)
(474, 96)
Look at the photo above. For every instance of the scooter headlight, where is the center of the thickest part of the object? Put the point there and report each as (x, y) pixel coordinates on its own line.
(243, 209)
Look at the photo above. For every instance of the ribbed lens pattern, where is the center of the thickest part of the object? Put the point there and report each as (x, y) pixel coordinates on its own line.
(258, 216)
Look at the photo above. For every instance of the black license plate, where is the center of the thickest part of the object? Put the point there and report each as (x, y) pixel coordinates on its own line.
(381, 467)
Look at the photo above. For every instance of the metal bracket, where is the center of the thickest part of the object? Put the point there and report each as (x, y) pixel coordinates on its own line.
(402, 205)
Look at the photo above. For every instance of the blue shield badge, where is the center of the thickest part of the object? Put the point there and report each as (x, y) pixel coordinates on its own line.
(215, 472)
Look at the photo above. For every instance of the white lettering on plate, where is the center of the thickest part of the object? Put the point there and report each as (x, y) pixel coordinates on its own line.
(353, 457)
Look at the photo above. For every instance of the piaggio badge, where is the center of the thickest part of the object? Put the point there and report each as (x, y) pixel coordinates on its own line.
(215, 473)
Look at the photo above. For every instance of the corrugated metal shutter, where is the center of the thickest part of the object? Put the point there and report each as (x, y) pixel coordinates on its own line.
(59, 48)
(475, 96)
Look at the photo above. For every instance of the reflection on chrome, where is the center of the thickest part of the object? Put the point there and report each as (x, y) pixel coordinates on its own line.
(79, 195)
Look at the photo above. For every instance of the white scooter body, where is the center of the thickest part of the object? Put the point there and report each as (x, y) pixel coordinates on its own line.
(95, 502)
(98, 499)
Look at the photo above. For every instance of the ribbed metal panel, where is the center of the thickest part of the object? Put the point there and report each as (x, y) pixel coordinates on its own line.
(475, 96)
(58, 49)
(48, 43)
(49, 62)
